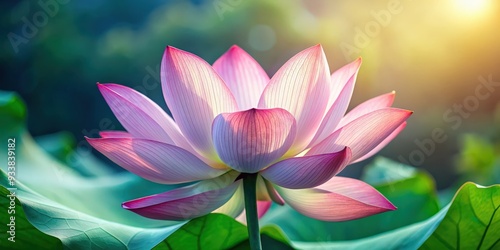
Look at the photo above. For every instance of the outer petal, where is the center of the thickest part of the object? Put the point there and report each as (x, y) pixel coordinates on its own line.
(335, 113)
(248, 141)
(262, 208)
(381, 101)
(307, 171)
(301, 86)
(383, 143)
(339, 199)
(186, 202)
(153, 160)
(114, 134)
(243, 75)
(363, 134)
(195, 94)
(340, 80)
(235, 206)
(140, 116)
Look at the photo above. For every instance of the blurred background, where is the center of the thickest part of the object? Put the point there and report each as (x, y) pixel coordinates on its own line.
(442, 59)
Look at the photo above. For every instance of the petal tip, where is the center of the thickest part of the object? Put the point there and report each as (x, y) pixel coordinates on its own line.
(234, 47)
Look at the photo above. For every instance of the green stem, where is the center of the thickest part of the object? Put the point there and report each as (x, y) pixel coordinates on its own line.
(250, 190)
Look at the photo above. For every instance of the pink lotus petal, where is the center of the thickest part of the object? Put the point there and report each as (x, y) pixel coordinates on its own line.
(250, 140)
(153, 160)
(186, 202)
(243, 75)
(302, 87)
(307, 171)
(340, 78)
(195, 94)
(382, 144)
(114, 134)
(381, 101)
(235, 206)
(363, 134)
(339, 106)
(262, 208)
(140, 116)
(339, 199)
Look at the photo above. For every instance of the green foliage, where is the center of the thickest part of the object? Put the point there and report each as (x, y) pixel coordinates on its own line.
(214, 231)
(218, 231)
(26, 236)
(12, 112)
(472, 221)
(478, 160)
(442, 230)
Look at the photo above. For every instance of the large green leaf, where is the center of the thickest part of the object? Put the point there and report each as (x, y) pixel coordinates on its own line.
(213, 231)
(472, 222)
(410, 190)
(219, 231)
(23, 235)
(472, 214)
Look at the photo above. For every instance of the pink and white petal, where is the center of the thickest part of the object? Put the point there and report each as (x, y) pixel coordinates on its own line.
(341, 77)
(243, 75)
(363, 134)
(262, 208)
(382, 144)
(302, 87)
(307, 171)
(339, 199)
(155, 161)
(186, 202)
(335, 113)
(235, 206)
(114, 134)
(140, 116)
(195, 94)
(381, 101)
(251, 140)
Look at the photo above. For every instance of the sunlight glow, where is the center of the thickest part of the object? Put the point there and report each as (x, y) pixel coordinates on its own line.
(471, 6)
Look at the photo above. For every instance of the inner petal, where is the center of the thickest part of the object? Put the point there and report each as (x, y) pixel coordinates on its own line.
(251, 140)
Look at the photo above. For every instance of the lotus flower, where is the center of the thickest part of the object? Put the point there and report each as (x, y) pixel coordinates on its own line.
(231, 120)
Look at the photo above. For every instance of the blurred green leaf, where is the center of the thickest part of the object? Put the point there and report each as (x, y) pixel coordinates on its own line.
(62, 146)
(478, 160)
(26, 236)
(382, 171)
(12, 112)
(477, 154)
(412, 191)
(478, 227)
(59, 145)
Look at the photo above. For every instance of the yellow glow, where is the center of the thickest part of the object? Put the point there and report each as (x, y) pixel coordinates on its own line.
(472, 6)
